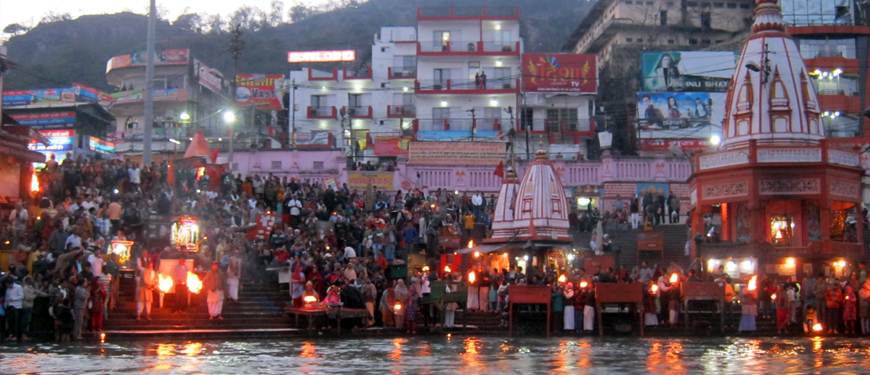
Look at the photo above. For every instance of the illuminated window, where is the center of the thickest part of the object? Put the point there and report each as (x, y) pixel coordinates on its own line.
(781, 230)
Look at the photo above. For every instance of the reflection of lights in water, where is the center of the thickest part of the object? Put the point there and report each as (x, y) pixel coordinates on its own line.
(165, 350)
(396, 354)
(817, 344)
(308, 350)
(472, 353)
(425, 350)
(192, 349)
(654, 357)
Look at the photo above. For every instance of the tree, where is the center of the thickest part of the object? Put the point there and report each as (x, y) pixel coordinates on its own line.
(299, 12)
(189, 21)
(276, 16)
(52, 17)
(15, 29)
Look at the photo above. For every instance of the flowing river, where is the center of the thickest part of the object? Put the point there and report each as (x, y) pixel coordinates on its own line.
(445, 355)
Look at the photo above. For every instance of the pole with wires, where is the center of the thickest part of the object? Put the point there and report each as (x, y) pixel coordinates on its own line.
(148, 129)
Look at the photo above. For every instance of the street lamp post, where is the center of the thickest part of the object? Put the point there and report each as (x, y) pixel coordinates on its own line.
(229, 119)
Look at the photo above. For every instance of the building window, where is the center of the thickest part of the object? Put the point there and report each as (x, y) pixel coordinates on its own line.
(628, 2)
(705, 41)
(718, 5)
(649, 3)
(663, 18)
(732, 5)
(670, 4)
(562, 118)
(706, 20)
(744, 6)
(693, 42)
(318, 165)
(720, 41)
(671, 41)
(629, 40)
(276, 164)
(692, 4)
(526, 119)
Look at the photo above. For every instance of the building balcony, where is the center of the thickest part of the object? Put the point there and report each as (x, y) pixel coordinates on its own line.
(317, 75)
(402, 72)
(401, 111)
(468, 48)
(358, 112)
(461, 124)
(365, 73)
(451, 86)
(468, 14)
(321, 112)
(839, 101)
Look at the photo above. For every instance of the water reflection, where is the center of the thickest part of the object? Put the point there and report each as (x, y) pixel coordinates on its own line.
(438, 355)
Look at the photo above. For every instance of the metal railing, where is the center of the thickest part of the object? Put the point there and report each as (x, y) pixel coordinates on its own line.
(403, 71)
(401, 110)
(469, 84)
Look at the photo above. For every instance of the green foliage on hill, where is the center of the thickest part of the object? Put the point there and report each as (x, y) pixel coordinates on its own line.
(59, 51)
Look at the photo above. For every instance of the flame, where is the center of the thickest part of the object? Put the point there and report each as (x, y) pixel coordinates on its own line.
(562, 279)
(310, 299)
(425, 268)
(654, 289)
(842, 263)
(773, 296)
(397, 306)
(675, 278)
(34, 182)
(471, 277)
(470, 243)
(164, 284)
(447, 269)
(477, 254)
(752, 282)
(194, 284)
(583, 284)
(817, 327)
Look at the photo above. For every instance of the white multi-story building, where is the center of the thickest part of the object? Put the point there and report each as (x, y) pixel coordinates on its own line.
(455, 77)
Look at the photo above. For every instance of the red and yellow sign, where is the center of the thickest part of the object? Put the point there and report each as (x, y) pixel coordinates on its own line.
(391, 145)
(564, 72)
(261, 90)
(359, 180)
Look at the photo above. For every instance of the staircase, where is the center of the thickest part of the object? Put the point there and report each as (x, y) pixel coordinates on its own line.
(258, 311)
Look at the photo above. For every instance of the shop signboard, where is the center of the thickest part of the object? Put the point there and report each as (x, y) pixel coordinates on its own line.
(560, 72)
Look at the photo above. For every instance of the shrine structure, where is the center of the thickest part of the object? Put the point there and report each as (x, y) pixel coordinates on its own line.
(788, 203)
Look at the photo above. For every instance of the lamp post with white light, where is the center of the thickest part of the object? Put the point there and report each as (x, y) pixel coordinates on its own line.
(229, 119)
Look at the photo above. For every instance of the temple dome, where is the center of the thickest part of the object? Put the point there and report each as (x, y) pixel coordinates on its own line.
(771, 99)
(541, 208)
(503, 228)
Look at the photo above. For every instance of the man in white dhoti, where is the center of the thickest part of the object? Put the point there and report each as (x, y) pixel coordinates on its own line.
(214, 284)
(234, 273)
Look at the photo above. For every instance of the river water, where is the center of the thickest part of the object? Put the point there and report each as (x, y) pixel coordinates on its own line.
(446, 355)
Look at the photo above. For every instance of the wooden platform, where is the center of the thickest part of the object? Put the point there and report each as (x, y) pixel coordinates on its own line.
(333, 313)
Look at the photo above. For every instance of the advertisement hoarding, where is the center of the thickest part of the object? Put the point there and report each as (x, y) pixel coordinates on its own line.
(262, 90)
(158, 95)
(359, 180)
(206, 77)
(664, 145)
(74, 94)
(460, 135)
(162, 57)
(456, 153)
(46, 121)
(679, 71)
(101, 146)
(565, 72)
(320, 56)
(61, 143)
(680, 114)
(391, 145)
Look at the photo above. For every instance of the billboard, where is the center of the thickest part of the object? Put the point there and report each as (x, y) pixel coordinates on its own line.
(360, 180)
(162, 57)
(675, 71)
(562, 72)
(47, 121)
(74, 94)
(320, 56)
(680, 114)
(158, 95)
(460, 135)
(456, 153)
(61, 143)
(101, 145)
(391, 145)
(207, 77)
(262, 90)
(665, 145)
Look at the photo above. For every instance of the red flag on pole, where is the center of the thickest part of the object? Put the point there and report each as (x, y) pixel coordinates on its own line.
(499, 170)
(214, 155)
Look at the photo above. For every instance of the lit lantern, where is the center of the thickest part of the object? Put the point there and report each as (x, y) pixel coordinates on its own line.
(477, 254)
(562, 279)
(194, 284)
(447, 269)
(583, 284)
(654, 289)
(817, 327)
(397, 307)
(675, 278)
(185, 232)
(752, 283)
(842, 263)
(122, 248)
(425, 268)
(471, 277)
(310, 301)
(504, 255)
(470, 243)
(164, 284)
(773, 297)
